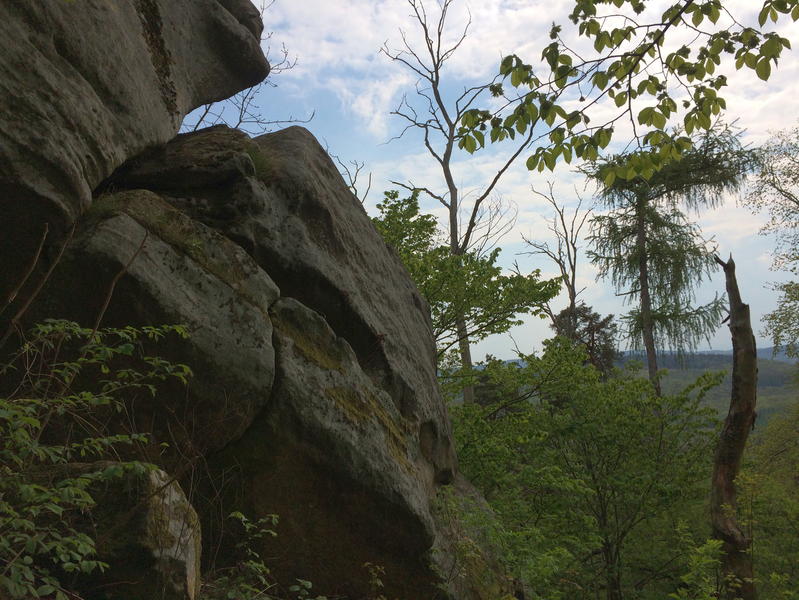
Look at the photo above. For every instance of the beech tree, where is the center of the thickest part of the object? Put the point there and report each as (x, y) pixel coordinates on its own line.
(637, 61)
(588, 476)
(467, 293)
(654, 255)
(475, 217)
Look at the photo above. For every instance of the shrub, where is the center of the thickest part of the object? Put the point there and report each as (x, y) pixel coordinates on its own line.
(56, 391)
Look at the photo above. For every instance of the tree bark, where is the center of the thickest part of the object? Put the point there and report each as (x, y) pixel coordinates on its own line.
(646, 305)
(466, 356)
(736, 560)
(457, 249)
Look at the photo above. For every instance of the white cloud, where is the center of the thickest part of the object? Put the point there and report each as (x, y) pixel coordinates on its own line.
(354, 87)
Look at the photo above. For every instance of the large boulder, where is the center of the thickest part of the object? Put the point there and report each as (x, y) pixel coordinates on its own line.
(176, 271)
(144, 529)
(301, 224)
(355, 439)
(86, 85)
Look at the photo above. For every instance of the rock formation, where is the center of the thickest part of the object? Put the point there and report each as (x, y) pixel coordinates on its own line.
(157, 551)
(315, 394)
(86, 85)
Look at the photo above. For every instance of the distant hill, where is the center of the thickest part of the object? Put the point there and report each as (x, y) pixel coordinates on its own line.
(761, 353)
(777, 379)
(776, 388)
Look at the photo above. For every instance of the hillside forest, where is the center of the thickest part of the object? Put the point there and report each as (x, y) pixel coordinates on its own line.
(600, 459)
(598, 469)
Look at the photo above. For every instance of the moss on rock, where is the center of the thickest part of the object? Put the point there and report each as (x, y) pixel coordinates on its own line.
(362, 406)
(213, 253)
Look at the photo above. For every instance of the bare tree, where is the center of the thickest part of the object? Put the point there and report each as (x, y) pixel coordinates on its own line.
(736, 561)
(438, 119)
(565, 252)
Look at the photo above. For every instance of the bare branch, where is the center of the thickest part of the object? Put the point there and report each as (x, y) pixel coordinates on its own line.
(350, 174)
(567, 239)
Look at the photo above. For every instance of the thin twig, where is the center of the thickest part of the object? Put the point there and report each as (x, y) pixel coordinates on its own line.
(35, 260)
(12, 325)
(111, 288)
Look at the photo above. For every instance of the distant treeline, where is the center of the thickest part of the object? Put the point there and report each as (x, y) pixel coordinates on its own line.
(776, 379)
(696, 360)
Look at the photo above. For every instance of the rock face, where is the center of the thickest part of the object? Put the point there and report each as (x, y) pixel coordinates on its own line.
(148, 534)
(314, 394)
(355, 437)
(86, 85)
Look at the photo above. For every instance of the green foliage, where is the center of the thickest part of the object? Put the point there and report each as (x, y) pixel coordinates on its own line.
(587, 476)
(303, 590)
(476, 543)
(469, 286)
(61, 378)
(596, 334)
(376, 573)
(252, 576)
(701, 581)
(250, 579)
(636, 54)
(782, 324)
(769, 506)
(775, 189)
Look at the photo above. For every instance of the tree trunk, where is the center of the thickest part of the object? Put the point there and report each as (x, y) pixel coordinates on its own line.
(466, 356)
(646, 305)
(736, 559)
(455, 248)
(613, 574)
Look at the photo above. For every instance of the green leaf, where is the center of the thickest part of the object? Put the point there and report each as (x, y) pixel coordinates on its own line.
(604, 138)
(763, 16)
(763, 69)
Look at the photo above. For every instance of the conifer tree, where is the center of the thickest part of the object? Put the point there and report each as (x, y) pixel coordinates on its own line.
(653, 253)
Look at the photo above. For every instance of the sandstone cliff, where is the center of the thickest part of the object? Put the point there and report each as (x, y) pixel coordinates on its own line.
(315, 393)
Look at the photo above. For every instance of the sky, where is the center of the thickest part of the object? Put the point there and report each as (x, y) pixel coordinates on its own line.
(349, 87)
